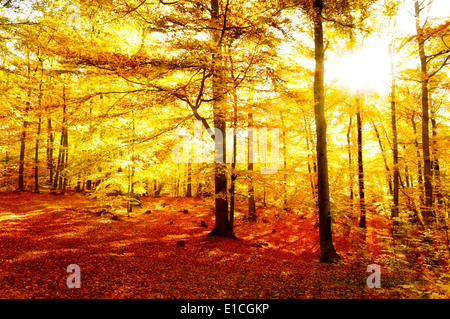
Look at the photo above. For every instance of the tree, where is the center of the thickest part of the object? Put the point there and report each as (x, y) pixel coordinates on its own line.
(424, 79)
(395, 190)
(328, 252)
(424, 34)
(362, 202)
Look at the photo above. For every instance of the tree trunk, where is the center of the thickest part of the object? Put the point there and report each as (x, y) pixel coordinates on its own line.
(131, 196)
(435, 164)
(251, 152)
(222, 226)
(50, 139)
(419, 161)
(189, 179)
(427, 212)
(283, 136)
(36, 158)
(312, 172)
(234, 154)
(350, 163)
(362, 203)
(58, 181)
(328, 252)
(385, 161)
(396, 168)
(59, 163)
(21, 185)
(66, 160)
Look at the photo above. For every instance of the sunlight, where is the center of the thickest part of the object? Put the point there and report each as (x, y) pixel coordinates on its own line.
(365, 69)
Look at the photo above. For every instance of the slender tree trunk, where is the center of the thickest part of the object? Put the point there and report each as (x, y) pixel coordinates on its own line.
(38, 136)
(59, 163)
(36, 158)
(408, 179)
(435, 163)
(66, 159)
(57, 183)
(283, 136)
(23, 138)
(362, 202)
(312, 172)
(396, 168)
(234, 160)
(131, 197)
(385, 161)
(50, 141)
(312, 161)
(418, 158)
(234, 151)
(427, 212)
(350, 162)
(251, 152)
(21, 182)
(328, 252)
(63, 144)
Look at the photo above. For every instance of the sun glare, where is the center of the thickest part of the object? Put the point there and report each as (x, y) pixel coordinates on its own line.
(365, 69)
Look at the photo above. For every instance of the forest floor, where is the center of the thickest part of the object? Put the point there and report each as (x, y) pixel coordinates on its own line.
(142, 256)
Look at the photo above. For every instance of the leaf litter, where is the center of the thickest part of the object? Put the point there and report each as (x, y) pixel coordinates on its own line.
(137, 256)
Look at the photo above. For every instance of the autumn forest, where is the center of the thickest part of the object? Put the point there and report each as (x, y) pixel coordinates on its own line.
(197, 149)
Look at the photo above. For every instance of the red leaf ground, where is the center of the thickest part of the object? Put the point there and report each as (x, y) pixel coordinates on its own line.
(137, 256)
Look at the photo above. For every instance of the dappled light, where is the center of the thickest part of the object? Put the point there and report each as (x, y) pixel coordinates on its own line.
(218, 149)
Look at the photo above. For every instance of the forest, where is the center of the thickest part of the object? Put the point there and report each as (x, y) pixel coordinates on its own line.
(178, 149)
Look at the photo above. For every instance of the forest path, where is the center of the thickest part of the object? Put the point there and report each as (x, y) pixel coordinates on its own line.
(141, 255)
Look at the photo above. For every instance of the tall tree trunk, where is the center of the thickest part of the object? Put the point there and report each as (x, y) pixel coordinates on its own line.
(234, 151)
(362, 202)
(311, 161)
(59, 163)
(36, 158)
(66, 159)
(50, 141)
(23, 138)
(418, 158)
(427, 212)
(350, 162)
(131, 197)
(38, 136)
(435, 163)
(21, 182)
(283, 136)
(385, 161)
(396, 168)
(251, 153)
(328, 252)
(222, 226)
(57, 183)
(234, 160)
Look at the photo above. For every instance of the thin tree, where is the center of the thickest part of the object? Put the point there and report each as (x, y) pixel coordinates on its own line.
(350, 162)
(362, 202)
(396, 168)
(424, 79)
(251, 152)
